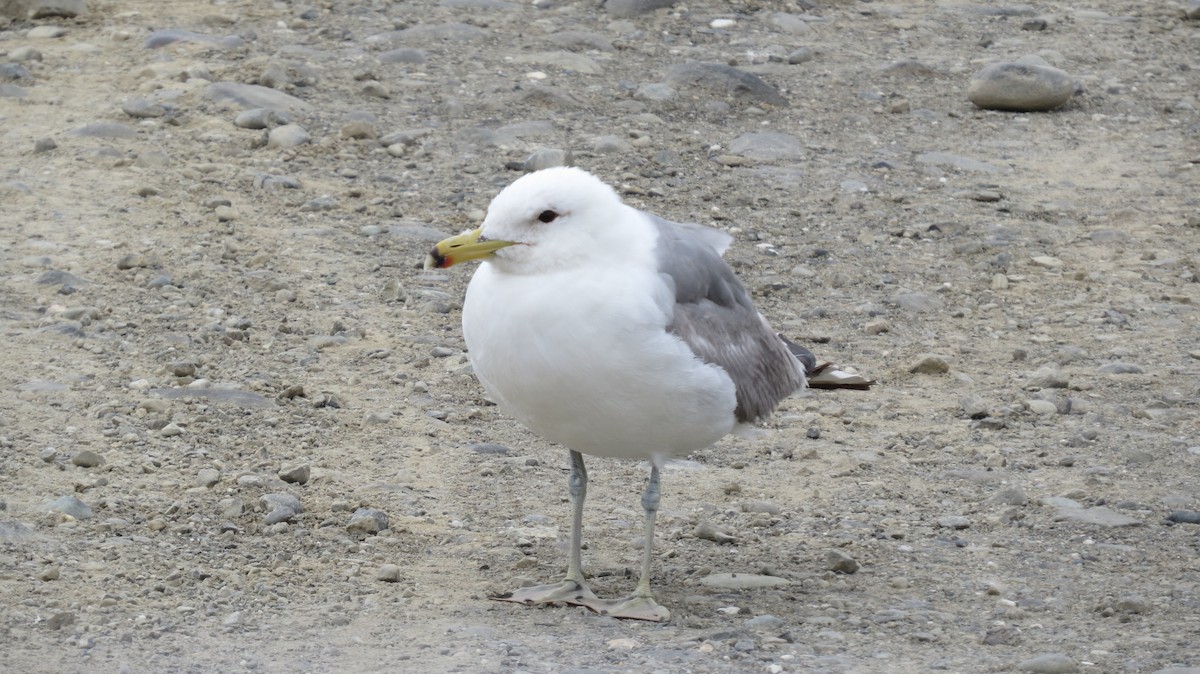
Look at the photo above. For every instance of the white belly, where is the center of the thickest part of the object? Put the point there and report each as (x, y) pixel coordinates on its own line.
(584, 360)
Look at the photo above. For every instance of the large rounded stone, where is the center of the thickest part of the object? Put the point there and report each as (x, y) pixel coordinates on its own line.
(1020, 87)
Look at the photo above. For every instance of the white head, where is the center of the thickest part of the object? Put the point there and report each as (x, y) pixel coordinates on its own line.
(549, 219)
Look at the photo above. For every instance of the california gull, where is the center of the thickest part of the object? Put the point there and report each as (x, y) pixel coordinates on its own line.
(615, 333)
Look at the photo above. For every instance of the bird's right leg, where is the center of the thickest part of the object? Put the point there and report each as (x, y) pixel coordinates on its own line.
(572, 590)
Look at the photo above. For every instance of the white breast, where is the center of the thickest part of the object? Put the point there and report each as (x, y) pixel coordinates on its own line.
(584, 360)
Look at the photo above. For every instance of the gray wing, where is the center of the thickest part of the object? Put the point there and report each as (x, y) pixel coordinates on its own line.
(715, 317)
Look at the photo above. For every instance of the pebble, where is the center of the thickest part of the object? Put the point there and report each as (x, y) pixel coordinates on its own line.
(876, 327)
(918, 302)
(262, 118)
(208, 478)
(765, 622)
(742, 581)
(53, 573)
(404, 55)
(430, 33)
(281, 500)
(973, 406)
(1192, 11)
(375, 89)
(367, 521)
(254, 96)
(297, 474)
(929, 363)
(45, 32)
(1041, 407)
(490, 448)
(629, 8)
(726, 80)
(143, 108)
(1011, 496)
(288, 135)
(1047, 377)
(768, 145)
(279, 514)
(1004, 635)
(953, 522)
(840, 562)
(957, 161)
(87, 459)
(1049, 663)
(171, 430)
(1047, 261)
(169, 36)
(801, 55)
(50, 9)
(1120, 368)
(578, 40)
(68, 505)
(708, 532)
(547, 157)
(1020, 87)
(1099, 515)
(1184, 517)
(388, 573)
(105, 130)
(25, 53)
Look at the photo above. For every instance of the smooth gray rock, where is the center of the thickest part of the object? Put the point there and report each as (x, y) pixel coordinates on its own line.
(1049, 663)
(262, 118)
(254, 96)
(725, 80)
(45, 32)
(404, 55)
(790, 23)
(288, 135)
(1020, 87)
(956, 161)
(298, 474)
(367, 521)
(236, 397)
(578, 40)
(1047, 377)
(624, 9)
(1099, 515)
(742, 581)
(768, 145)
(143, 108)
(50, 9)
(801, 55)
(1120, 368)
(68, 505)
(840, 562)
(87, 459)
(430, 33)
(105, 130)
(168, 36)
(13, 72)
(930, 363)
(17, 10)
(547, 157)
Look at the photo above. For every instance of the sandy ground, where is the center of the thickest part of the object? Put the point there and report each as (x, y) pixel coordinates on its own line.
(194, 318)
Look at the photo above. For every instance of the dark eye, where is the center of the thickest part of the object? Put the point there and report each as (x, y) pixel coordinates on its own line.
(547, 216)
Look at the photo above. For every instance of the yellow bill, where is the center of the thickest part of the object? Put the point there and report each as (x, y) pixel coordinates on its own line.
(463, 248)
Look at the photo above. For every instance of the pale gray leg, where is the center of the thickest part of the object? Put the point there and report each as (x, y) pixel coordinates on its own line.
(572, 590)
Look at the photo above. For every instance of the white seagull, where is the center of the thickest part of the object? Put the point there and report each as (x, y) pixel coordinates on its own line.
(615, 333)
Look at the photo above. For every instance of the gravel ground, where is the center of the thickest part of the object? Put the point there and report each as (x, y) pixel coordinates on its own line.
(239, 431)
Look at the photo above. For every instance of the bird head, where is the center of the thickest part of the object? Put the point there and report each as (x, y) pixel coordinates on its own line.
(548, 219)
